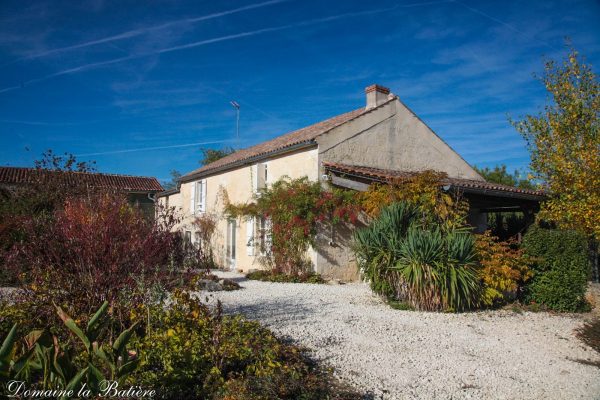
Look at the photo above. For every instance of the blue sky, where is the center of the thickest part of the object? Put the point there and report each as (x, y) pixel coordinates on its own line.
(138, 86)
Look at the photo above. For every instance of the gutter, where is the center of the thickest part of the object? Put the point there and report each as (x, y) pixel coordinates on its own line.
(167, 192)
(248, 161)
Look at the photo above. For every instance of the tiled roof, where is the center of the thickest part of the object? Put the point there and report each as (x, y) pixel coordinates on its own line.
(18, 175)
(301, 136)
(387, 175)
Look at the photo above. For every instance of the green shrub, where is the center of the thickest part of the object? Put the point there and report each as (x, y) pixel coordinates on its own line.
(429, 266)
(187, 350)
(400, 305)
(560, 268)
(43, 362)
(194, 352)
(272, 276)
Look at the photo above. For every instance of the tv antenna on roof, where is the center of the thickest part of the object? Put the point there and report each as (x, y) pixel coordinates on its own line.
(237, 120)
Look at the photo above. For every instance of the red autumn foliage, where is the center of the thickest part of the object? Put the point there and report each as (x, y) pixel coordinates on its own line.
(96, 248)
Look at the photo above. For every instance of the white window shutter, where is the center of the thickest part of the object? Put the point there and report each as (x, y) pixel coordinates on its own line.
(260, 175)
(254, 178)
(193, 198)
(250, 237)
(203, 203)
(268, 238)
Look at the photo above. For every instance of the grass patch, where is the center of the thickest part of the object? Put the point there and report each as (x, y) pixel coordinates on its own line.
(268, 276)
(400, 305)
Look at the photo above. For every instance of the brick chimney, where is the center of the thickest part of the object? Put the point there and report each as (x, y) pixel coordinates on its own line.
(376, 95)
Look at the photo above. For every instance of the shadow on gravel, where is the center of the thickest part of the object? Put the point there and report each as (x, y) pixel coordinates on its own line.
(238, 279)
(272, 310)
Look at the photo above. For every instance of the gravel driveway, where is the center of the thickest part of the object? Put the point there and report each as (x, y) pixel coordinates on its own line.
(392, 354)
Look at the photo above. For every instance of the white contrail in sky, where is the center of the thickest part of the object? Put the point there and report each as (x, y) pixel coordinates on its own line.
(509, 26)
(151, 148)
(143, 31)
(86, 67)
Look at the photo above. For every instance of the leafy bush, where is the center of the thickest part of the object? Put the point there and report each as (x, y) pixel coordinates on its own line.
(429, 267)
(203, 254)
(44, 363)
(48, 186)
(185, 350)
(96, 248)
(191, 351)
(270, 276)
(503, 270)
(422, 190)
(560, 269)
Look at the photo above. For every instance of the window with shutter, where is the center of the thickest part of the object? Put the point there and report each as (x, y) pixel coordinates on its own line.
(198, 197)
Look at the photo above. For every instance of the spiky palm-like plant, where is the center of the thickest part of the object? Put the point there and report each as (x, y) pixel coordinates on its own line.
(377, 246)
(439, 269)
(430, 267)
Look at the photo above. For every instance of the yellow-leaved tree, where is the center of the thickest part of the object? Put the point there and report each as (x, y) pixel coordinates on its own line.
(564, 142)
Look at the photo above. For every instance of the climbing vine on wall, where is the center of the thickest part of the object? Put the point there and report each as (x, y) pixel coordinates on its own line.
(294, 208)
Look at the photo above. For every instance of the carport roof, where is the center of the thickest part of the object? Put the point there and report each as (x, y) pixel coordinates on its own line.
(466, 185)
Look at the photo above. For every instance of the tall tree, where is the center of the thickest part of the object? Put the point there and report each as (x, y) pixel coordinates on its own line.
(172, 184)
(499, 174)
(564, 142)
(212, 155)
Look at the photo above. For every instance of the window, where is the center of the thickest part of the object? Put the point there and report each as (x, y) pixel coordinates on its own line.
(264, 239)
(198, 197)
(266, 174)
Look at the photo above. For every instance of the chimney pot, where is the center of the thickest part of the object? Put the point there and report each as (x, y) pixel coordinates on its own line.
(376, 95)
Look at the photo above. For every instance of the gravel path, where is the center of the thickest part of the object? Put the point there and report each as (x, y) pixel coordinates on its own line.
(392, 354)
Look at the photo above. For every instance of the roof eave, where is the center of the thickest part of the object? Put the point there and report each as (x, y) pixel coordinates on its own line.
(248, 161)
(168, 192)
(454, 186)
(499, 193)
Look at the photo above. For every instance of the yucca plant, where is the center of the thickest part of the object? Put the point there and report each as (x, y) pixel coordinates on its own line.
(377, 246)
(439, 269)
(429, 266)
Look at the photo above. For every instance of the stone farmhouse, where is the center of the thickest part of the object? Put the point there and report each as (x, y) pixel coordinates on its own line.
(374, 143)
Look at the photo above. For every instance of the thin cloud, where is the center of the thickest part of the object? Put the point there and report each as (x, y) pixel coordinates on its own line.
(151, 148)
(86, 67)
(43, 123)
(498, 21)
(142, 31)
